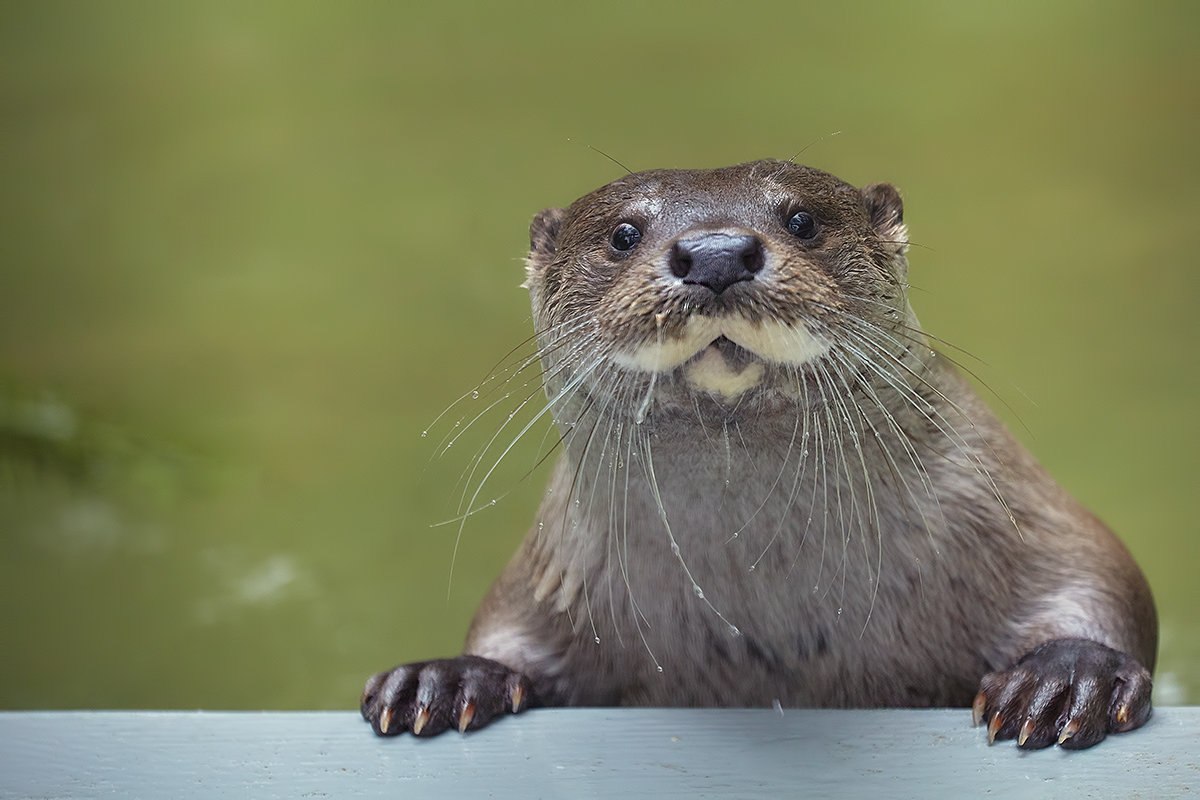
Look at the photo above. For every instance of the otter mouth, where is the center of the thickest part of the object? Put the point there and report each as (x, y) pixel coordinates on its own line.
(735, 342)
(734, 354)
(724, 369)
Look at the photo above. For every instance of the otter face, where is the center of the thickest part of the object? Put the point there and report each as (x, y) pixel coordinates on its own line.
(721, 281)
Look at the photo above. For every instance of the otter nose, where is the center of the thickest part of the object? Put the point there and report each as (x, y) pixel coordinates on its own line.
(717, 260)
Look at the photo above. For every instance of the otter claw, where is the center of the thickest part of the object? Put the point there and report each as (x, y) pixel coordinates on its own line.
(430, 697)
(1069, 692)
(994, 727)
(422, 719)
(1026, 732)
(977, 709)
(464, 719)
(518, 695)
(1070, 729)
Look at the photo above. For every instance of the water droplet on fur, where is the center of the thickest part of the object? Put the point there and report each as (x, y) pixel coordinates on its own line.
(492, 503)
(475, 394)
(597, 640)
(541, 525)
(424, 434)
(674, 549)
(660, 669)
(736, 534)
(734, 630)
(753, 567)
(839, 612)
(698, 591)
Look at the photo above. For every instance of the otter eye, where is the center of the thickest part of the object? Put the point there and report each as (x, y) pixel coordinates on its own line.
(802, 225)
(625, 236)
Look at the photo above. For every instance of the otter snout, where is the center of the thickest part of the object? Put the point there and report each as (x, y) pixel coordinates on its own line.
(717, 260)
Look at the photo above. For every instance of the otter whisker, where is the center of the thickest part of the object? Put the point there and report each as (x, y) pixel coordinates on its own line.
(474, 464)
(801, 416)
(957, 440)
(648, 465)
(818, 461)
(922, 338)
(770, 491)
(903, 437)
(565, 328)
(576, 380)
(457, 430)
(838, 454)
(872, 508)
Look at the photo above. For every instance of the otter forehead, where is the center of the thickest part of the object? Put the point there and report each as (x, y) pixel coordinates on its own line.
(745, 193)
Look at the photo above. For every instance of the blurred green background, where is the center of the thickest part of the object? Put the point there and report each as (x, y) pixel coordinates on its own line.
(248, 251)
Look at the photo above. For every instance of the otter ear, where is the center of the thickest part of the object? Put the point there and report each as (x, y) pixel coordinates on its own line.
(543, 237)
(885, 209)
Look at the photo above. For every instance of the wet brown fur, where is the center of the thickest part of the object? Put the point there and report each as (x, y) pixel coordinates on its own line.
(941, 550)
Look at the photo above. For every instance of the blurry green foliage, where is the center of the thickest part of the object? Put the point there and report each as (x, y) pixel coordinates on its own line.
(249, 251)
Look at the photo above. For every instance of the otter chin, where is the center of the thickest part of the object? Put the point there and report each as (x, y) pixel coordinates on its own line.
(773, 489)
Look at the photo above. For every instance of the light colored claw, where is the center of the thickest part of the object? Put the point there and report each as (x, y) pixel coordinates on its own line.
(464, 719)
(1122, 714)
(1069, 730)
(1026, 732)
(518, 697)
(977, 709)
(385, 719)
(994, 727)
(421, 720)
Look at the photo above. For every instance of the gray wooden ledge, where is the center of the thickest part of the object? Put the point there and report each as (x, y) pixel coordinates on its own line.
(625, 753)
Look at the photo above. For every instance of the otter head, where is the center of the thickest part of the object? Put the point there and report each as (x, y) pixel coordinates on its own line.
(718, 282)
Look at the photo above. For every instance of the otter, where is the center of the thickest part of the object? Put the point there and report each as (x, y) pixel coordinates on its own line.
(775, 490)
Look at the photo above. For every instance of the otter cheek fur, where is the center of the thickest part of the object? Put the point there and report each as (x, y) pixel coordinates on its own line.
(772, 489)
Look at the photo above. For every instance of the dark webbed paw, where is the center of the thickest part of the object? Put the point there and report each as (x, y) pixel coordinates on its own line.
(429, 697)
(1072, 692)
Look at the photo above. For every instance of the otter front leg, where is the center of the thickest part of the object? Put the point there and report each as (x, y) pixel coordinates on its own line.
(1072, 692)
(429, 697)
(510, 662)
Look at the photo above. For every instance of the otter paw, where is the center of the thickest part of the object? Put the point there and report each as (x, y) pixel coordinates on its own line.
(1072, 692)
(429, 697)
